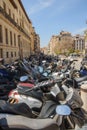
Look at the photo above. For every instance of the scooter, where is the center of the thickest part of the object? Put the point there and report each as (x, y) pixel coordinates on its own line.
(36, 96)
(32, 97)
(58, 122)
(72, 99)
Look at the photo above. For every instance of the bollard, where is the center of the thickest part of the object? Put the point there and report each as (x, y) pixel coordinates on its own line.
(84, 96)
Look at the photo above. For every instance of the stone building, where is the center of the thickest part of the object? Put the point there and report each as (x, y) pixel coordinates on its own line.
(61, 43)
(52, 44)
(44, 50)
(79, 43)
(16, 31)
(85, 38)
(35, 40)
(36, 43)
(66, 41)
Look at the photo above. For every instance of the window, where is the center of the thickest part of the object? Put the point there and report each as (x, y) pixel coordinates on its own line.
(17, 21)
(14, 39)
(0, 33)
(13, 16)
(19, 41)
(11, 54)
(6, 35)
(11, 37)
(9, 12)
(4, 6)
(15, 54)
(7, 54)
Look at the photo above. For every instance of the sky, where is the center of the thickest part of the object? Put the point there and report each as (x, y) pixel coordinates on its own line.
(50, 17)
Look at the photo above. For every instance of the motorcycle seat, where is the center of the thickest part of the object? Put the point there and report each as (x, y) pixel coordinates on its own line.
(78, 80)
(35, 94)
(18, 109)
(10, 122)
(25, 85)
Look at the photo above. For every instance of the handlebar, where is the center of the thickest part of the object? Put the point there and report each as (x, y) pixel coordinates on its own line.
(43, 84)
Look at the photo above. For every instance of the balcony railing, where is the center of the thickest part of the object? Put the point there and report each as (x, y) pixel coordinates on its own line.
(3, 12)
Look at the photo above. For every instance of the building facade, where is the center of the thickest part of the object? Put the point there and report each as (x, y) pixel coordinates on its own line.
(44, 50)
(61, 43)
(85, 38)
(79, 43)
(52, 44)
(16, 31)
(36, 43)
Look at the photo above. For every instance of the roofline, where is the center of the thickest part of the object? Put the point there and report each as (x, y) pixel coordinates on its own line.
(24, 10)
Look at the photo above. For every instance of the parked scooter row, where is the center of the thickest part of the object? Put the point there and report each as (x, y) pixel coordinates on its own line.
(66, 117)
(42, 101)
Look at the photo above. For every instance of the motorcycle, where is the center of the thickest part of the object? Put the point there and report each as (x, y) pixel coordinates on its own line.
(37, 95)
(58, 122)
(47, 108)
(33, 96)
(10, 121)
